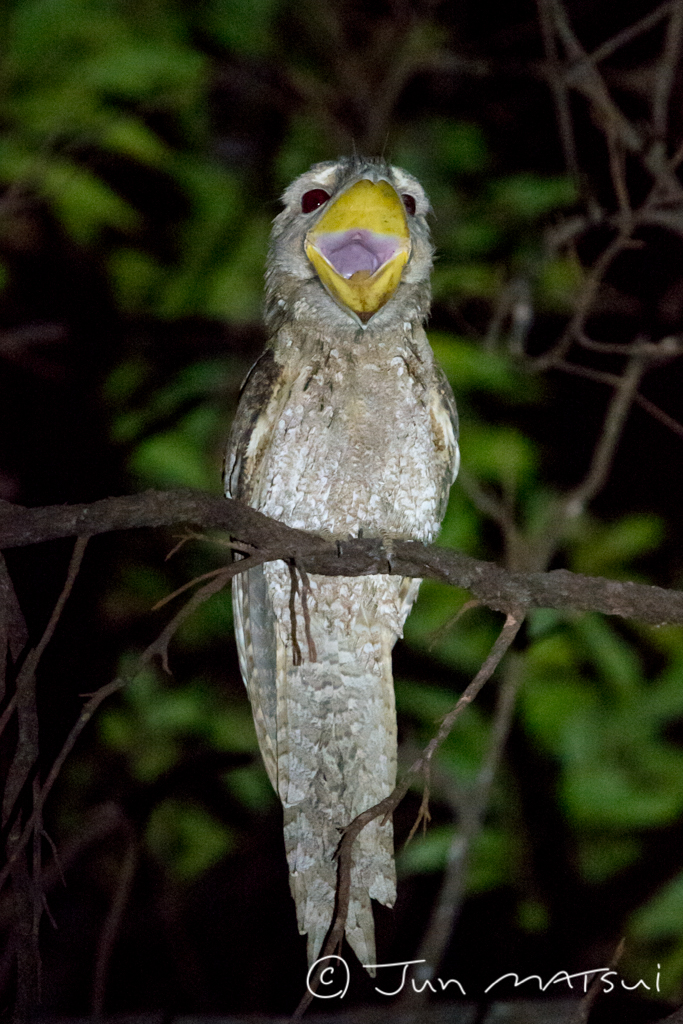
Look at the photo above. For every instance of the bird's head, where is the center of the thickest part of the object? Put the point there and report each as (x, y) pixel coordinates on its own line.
(351, 248)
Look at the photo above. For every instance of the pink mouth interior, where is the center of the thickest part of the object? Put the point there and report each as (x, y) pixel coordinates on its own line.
(357, 249)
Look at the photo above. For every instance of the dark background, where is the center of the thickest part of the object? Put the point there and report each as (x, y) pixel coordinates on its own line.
(143, 150)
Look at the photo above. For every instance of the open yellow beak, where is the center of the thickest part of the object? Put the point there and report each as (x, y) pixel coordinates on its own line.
(360, 246)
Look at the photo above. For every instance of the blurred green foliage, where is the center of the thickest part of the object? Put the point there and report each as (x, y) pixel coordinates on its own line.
(86, 82)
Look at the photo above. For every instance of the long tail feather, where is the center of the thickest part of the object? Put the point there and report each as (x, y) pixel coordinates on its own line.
(327, 732)
(336, 757)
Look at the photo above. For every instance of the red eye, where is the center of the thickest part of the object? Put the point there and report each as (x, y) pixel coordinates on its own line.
(310, 201)
(409, 203)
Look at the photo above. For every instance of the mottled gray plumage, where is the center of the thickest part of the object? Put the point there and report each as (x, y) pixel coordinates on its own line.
(341, 428)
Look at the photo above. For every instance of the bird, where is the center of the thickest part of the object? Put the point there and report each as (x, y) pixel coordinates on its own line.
(346, 427)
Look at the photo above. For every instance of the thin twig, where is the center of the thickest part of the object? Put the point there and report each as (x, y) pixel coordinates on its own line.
(502, 513)
(26, 874)
(293, 588)
(423, 816)
(618, 174)
(661, 351)
(585, 300)
(658, 414)
(8, 712)
(491, 505)
(574, 502)
(501, 309)
(521, 316)
(559, 90)
(186, 586)
(34, 656)
(627, 35)
(305, 591)
(24, 757)
(39, 898)
(112, 926)
(577, 499)
(666, 68)
(13, 631)
(594, 989)
(99, 824)
(445, 627)
(612, 379)
(224, 542)
(584, 76)
(57, 860)
(472, 814)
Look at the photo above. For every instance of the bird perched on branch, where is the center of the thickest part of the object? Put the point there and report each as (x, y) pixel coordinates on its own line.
(345, 427)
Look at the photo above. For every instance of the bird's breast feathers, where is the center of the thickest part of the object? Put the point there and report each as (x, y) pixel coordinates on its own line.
(355, 444)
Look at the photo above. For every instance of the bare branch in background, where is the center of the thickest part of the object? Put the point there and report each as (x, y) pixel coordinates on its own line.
(27, 745)
(665, 71)
(612, 380)
(559, 89)
(586, 79)
(471, 807)
(595, 988)
(157, 649)
(28, 895)
(627, 35)
(576, 500)
(584, 302)
(496, 509)
(112, 925)
(626, 142)
(13, 631)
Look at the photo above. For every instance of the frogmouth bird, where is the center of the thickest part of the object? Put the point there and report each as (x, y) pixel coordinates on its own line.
(345, 427)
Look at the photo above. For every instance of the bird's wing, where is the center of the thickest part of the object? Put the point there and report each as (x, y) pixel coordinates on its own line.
(444, 421)
(263, 393)
(256, 648)
(262, 396)
(444, 417)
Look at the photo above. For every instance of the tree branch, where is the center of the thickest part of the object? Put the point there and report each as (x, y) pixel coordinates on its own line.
(559, 89)
(13, 631)
(495, 587)
(472, 808)
(665, 71)
(157, 649)
(576, 500)
(112, 924)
